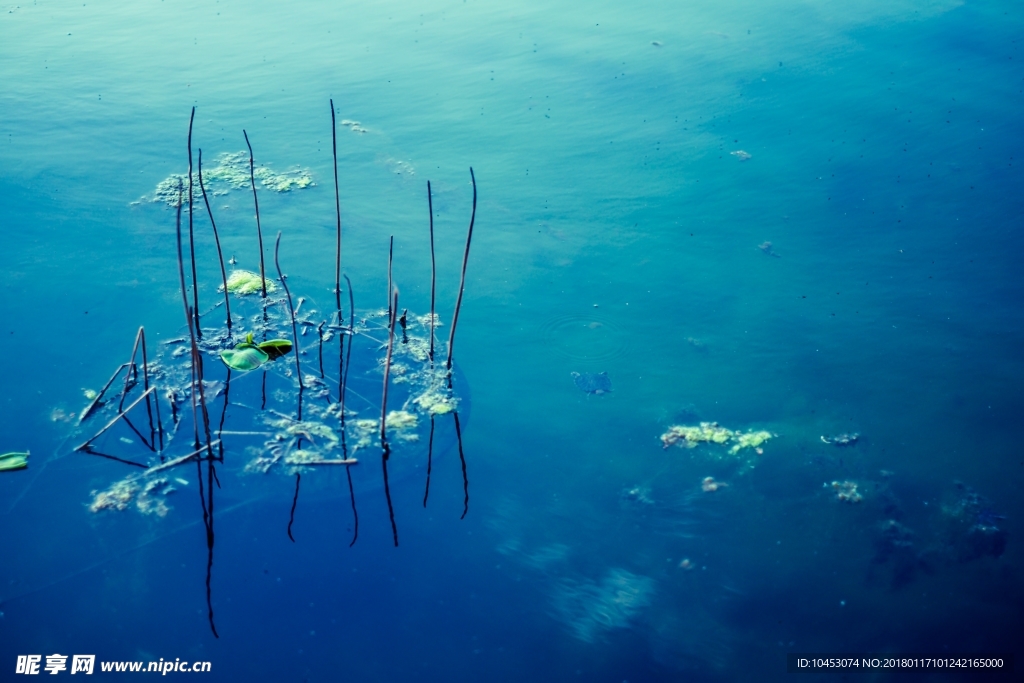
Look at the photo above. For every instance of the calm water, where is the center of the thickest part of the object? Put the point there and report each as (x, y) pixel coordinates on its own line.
(630, 160)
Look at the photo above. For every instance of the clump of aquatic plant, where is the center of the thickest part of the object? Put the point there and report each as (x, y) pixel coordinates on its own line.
(245, 282)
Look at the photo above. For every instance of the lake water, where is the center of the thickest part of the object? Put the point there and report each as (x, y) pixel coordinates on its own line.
(791, 217)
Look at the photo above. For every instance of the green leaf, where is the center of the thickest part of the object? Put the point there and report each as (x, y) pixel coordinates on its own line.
(244, 357)
(13, 461)
(275, 348)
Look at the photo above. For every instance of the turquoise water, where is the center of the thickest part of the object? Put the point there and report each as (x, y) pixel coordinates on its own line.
(617, 230)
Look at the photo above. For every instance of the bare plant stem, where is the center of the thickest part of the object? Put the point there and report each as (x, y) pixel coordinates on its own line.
(216, 238)
(337, 207)
(433, 277)
(462, 282)
(256, 201)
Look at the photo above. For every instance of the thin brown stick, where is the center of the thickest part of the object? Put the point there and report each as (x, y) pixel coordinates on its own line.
(129, 380)
(462, 282)
(191, 240)
(433, 278)
(385, 448)
(336, 461)
(114, 420)
(259, 231)
(179, 460)
(92, 406)
(391, 253)
(291, 311)
(216, 238)
(320, 347)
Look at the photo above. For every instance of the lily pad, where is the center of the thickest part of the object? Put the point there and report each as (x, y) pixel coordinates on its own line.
(275, 348)
(13, 461)
(244, 357)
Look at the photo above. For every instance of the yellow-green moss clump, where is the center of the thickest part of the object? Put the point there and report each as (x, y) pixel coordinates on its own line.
(436, 403)
(244, 282)
(711, 432)
(749, 440)
(691, 437)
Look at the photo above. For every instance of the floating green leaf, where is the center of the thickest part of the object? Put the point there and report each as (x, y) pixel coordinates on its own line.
(275, 348)
(244, 357)
(13, 461)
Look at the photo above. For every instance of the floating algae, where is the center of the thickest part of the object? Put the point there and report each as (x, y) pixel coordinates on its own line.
(691, 437)
(148, 496)
(231, 172)
(245, 282)
(711, 432)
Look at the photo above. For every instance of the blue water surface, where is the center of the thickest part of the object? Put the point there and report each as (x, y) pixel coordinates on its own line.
(802, 218)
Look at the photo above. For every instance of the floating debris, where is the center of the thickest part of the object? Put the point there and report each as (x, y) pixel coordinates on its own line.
(841, 439)
(592, 382)
(354, 126)
(639, 495)
(711, 432)
(148, 496)
(709, 485)
(973, 528)
(846, 491)
(741, 155)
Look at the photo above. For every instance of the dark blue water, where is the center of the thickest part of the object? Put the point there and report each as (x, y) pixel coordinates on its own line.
(631, 163)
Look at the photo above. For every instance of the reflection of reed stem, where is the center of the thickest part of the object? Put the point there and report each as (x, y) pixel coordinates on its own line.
(462, 282)
(295, 501)
(291, 312)
(430, 459)
(216, 238)
(386, 449)
(259, 231)
(462, 459)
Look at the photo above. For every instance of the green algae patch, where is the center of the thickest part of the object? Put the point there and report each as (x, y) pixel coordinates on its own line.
(230, 171)
(711, 432)
(749, 440)
(243, 282)
(691, 437)
(13, 461)
(436, 403)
